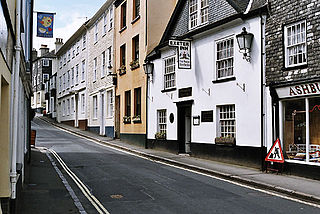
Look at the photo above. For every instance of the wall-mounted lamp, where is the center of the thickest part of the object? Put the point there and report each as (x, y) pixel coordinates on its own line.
(244, 40)
(148, 68)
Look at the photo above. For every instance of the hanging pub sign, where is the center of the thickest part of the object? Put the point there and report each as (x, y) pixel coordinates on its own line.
(45, 24)
(184, 53)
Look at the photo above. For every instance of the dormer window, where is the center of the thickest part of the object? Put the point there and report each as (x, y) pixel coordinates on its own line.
(198, 12)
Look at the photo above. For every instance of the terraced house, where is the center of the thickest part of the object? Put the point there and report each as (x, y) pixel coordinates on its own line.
(71, 80)
(138, 29)
(100, 88)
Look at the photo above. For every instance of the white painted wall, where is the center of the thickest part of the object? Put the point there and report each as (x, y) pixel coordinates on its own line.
(200, 77)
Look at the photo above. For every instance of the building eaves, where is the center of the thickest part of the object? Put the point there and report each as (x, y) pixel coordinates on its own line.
(98, 14)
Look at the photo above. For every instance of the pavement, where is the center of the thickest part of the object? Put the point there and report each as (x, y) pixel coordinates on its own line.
(288, 185)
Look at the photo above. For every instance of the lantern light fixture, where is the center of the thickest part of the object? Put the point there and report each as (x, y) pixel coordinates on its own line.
(244, 40)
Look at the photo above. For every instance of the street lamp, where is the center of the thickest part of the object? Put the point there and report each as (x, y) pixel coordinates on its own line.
(148, 67)
(244, 40)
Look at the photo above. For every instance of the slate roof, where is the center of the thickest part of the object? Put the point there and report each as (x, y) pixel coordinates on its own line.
(220, 12)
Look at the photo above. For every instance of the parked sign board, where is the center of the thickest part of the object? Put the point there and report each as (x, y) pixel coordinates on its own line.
(184, 53)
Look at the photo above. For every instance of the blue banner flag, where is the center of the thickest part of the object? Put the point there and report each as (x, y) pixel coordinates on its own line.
(45, 25)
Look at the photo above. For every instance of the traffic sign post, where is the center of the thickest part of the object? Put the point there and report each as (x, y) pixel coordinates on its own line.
(275, 155)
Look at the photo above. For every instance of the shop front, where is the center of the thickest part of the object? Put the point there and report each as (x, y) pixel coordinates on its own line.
(299, 124)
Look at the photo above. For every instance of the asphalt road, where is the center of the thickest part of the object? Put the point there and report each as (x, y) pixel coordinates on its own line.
(124, 183)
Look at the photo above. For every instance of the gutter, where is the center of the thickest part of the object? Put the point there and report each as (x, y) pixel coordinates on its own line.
(16, 98)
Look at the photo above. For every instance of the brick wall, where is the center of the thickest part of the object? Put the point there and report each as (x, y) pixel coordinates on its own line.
(284, 12)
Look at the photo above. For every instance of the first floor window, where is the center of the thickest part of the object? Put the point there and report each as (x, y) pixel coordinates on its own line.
(77, 74)
(170, 72)
(83, 73)
(137, 102)
(95, 107)
(72, 76)
(103, 64)
(224, 58)
(295, 44)
(227, 121)
(83, 103)
(95, 69)
(110, 103)
(162, 121)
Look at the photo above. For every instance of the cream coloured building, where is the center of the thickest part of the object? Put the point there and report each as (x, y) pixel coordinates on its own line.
(100, 88)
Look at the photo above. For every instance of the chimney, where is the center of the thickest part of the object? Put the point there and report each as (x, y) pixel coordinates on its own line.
(34, 54)
(44, 49)
(58, 43)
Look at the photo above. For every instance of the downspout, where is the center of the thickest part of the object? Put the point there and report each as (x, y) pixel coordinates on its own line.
(147, 76)
(263, 131)
(16, 76)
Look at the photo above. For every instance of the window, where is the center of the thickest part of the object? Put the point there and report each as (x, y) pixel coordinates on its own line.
(136, 9)
(63, 108)
(60, 83)
(68, 107)
(224, 60)
(162, 121)
(83, 103)
(123, 55)
(77, 73)
(72, 105)
(69, 55)
(84, 40)
(83, 73)
(68, 79)
(105, 24)
(45, 62)
(73, 51)
(295, 44)
(110, 103)
(38, 97)
(45, 77)
(169, 72)
(195, 12)
(128, 103)
(103, 64)
(64, 81)
(95, 69)
(227, 121)
(110, 18)
(123, 20)
(96, 32)
(95, 107)
(135, 48)
(109, 57)
(137, 102)
(72, 76)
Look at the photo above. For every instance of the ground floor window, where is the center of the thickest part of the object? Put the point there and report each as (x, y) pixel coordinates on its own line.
(162, 122)
(301, 129)
(95, 107)
(227, 121)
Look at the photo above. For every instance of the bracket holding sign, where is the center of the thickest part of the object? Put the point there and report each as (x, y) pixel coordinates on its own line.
(275, 154)
(184, 52)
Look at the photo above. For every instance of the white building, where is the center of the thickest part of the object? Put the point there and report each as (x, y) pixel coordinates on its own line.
(214, 109)
(71, 80)
(100, 86)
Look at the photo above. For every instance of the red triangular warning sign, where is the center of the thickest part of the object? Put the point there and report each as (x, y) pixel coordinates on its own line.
(275, 153)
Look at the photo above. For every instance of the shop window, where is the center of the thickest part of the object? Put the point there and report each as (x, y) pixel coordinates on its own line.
(295, 44)
(170, 72)
(227, 121)
(224, 58)
(297, 145)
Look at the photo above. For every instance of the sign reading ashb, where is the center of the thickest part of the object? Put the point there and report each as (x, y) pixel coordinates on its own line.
(184, 53)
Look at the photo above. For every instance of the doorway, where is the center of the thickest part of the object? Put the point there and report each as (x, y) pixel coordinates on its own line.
(184, 127)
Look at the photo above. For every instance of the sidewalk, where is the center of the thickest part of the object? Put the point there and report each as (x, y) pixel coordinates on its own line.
(43, 190)
(292, 186)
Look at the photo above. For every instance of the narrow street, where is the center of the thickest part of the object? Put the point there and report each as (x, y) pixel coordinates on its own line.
(124, 183)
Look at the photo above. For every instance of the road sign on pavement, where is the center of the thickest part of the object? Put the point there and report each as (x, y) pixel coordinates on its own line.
(275, 153)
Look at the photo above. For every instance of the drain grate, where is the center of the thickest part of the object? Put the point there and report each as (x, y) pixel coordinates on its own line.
(116, 196)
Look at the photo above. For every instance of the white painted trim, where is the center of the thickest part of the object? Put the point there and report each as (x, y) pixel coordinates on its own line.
(249, 7)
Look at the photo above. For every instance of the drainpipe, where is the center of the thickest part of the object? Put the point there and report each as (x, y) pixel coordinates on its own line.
(16, 76)
(263, 124)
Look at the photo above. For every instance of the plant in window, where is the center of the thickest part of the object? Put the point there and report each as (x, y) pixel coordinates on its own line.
(126, 119)
(160, 135)
(122, 69)
(134, 64)
(136, 119)
(227, 140)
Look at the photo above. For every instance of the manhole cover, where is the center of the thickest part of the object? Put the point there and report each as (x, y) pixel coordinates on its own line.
(116, 196)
